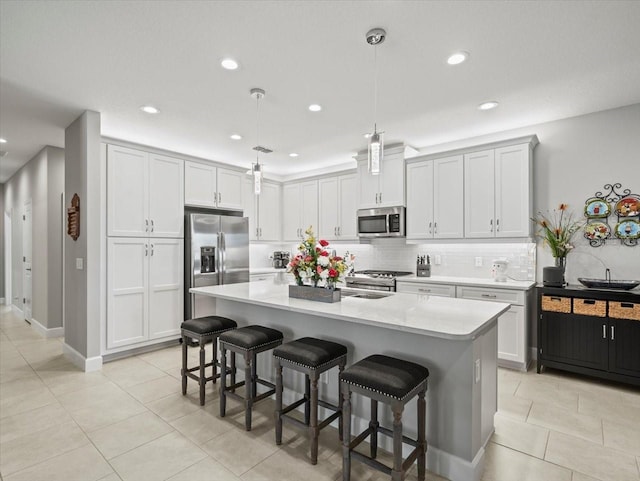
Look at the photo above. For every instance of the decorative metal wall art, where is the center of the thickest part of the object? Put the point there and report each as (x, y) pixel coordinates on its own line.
(617, 202)
(73, 218)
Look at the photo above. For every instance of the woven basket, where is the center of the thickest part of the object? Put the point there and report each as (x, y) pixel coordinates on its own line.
(556, 304)
(590, 307)
(624, 310)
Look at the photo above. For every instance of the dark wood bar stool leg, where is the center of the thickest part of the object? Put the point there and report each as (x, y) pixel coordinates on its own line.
(307, 395)
(278, 413)
(214, 358)
(223, 379)
(397, 473)
(249, 387)
(422, 435)
(374, 425)
(185, 339)
(341, 418)
(346, 432)
(203, 377)
(313, 423)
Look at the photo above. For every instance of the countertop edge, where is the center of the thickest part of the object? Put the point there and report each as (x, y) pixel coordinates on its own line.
(489, 284)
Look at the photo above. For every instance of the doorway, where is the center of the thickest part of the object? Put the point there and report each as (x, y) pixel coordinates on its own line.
(8, 292)
(27, 278)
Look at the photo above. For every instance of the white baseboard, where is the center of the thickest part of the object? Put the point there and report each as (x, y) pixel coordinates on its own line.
(455, 468)
(17, 311)
(1, 300)
(84, 363)
(46, 332)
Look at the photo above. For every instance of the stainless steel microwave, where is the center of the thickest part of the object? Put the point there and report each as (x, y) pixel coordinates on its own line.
(382, 222)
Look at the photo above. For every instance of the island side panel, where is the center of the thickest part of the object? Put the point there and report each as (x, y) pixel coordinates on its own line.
(452, 393)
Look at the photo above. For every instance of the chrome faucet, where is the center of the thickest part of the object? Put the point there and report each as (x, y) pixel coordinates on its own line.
(607, 274)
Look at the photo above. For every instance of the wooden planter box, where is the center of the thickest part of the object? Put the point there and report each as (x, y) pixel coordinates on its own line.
(310, 293)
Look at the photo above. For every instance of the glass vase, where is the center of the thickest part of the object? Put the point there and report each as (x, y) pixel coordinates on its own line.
(561, 262)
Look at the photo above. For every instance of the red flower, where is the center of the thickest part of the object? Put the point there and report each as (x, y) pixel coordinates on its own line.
(323, 243)
(308, 259)
(324, 253)
(333, 273)
(319, 269)
(563, 207)
(337, 258)
(318, 249)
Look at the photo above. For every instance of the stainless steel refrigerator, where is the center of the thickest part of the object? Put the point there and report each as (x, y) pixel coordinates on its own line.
(216, 253)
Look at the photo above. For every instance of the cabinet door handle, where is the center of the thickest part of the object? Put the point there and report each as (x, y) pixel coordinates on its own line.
(604, 331)
(152, 249)
(489, 296)
(381, 197)
(430, 227)
(339, 230)
(260, 229)
(146, 250)
(497, 225)
(152, 226)
(435, 227)
(219, 197)
(491, 225)
(257, 233)
(215, 197)
(613, 334)
(424, 290)
(146, 225)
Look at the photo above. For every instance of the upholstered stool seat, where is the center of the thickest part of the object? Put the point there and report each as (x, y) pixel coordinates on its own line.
(312, 357)
(202, 330)
(248, 341)
(395, 382)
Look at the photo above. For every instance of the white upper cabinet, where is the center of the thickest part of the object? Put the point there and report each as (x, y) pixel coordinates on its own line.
(386, 189)
(337, 207)
(434, 199)
(300, 208)
(144, 194)
(262, 210)
(498, 192)
(210, 186)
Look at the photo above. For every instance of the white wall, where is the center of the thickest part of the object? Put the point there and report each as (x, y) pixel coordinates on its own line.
(2, 290)
(39, 180)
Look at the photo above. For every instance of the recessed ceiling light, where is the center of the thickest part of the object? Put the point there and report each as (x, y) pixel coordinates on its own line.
(315, 108)
(236, 136)
(150, 109)
(293, 154)
(458, 57)
(492, 104)
(229, 64)
(3, 141)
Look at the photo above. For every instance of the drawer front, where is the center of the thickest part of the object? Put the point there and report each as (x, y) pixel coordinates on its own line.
(624, 310)
(483, 294)
(590, 307)
(441, 290)
(556, 304)
(261, 277)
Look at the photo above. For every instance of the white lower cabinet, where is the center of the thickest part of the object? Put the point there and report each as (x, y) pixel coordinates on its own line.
(512, 325)
(513, 338)
(144, 290)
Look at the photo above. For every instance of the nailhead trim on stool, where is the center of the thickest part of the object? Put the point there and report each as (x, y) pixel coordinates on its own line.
(312, 357)
(203, 330)
(391, 381)
(248, 341)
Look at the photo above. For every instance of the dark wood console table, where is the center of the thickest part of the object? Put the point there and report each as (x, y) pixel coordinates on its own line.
(589, 331)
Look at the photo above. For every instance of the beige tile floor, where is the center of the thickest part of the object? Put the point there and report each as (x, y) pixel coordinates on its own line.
(130, 422)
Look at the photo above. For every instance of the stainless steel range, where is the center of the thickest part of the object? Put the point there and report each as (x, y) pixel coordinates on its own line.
(375, 280)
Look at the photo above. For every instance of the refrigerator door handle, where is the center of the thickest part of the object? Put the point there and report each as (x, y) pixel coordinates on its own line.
(221, 250)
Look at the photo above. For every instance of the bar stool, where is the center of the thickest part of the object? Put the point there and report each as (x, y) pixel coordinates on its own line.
(312, 357)
(203, 330)
(248, 341)
(394, 382)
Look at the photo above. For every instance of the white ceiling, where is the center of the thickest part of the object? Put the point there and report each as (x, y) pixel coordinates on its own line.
(541, 60)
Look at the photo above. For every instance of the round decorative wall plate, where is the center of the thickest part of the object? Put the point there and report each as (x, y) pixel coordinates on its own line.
(628, 229)
(628, 206)
(597, 209)
(597, 230)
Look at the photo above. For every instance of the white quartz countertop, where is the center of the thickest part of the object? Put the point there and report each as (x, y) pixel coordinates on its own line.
(446, 318)
(469, 281)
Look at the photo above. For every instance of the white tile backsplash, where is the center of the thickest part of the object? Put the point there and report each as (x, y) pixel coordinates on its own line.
(395, 254)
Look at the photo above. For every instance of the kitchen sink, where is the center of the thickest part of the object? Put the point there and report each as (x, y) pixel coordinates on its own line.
(608, 283)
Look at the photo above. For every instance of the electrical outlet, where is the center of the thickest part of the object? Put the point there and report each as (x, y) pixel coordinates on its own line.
(477, 370)
(478, 261)
(79, 263)
(438, 259)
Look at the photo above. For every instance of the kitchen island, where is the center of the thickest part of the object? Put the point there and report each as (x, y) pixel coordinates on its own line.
(455, 338)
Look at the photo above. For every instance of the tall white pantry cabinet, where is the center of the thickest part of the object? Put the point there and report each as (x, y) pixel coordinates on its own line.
(145, 247)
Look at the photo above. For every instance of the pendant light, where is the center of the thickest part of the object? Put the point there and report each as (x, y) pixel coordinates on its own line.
(256, 169)
(375, 37)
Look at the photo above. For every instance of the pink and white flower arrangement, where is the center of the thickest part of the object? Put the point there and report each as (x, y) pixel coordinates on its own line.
(314, 263)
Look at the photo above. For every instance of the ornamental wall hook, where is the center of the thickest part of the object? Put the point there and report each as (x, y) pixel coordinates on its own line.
(614, 201)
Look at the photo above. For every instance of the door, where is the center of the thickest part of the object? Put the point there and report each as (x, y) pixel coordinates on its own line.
(348, 194)
(230, 189)
(127, 294)
(204, 261)
(478, 194)
(165, 287)
(166, 196)
(512, 196)
(420, 200)
(328, 215)
(27, 282)
(291, 208)
(127, 192)
(309, 205)
(510, 335)
(392, 181)
(369, 187)
(624, 339)
(234, 249)
(269, 212)
(249, 209)
(199, 185)
(448, 198)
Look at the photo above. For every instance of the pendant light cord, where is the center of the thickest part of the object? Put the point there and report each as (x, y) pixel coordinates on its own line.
(375, 87)
(257, 127)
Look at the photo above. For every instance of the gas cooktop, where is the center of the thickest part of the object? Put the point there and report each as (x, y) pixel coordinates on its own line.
(382, 274)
